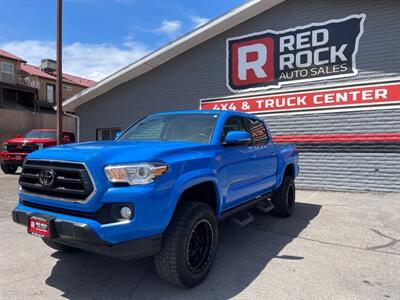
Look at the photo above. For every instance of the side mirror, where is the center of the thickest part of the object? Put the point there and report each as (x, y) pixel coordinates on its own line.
(117, 135)
(66, 139)
(237, 138)
(18, 136)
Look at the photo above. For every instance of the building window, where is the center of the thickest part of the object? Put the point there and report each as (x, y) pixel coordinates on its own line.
(106, 134)
(50, 92)
(36, 84)
(68, 87)
(7, 71)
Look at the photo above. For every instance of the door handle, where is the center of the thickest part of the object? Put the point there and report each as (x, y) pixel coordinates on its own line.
(252, 156)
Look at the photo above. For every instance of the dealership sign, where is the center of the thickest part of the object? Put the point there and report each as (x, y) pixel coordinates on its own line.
(343, 97)
(313, 52)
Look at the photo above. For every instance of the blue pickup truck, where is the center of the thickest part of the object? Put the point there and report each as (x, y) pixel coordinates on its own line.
(159, 189)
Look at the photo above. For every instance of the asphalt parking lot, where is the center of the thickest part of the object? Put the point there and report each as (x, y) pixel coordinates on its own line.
(336, 245)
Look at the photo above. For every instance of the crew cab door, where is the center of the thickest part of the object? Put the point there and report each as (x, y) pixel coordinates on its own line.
(238, 167)
(265, 155)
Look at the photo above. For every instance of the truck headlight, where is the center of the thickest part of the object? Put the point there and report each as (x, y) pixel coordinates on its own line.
(135, 174)
(5, 146)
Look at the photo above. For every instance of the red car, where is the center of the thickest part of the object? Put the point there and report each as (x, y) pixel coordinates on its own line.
(15, 150)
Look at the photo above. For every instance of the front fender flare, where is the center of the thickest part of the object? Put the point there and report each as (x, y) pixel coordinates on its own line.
(183, 183)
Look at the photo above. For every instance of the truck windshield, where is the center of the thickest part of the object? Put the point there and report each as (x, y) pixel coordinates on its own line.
(38, 134)
(179, 127)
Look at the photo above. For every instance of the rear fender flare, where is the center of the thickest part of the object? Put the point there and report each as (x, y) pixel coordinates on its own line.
(281, 170)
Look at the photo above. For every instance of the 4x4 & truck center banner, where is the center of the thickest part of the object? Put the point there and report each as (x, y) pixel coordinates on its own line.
(341, 97)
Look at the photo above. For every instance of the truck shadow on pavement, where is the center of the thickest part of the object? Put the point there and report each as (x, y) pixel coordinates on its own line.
(243, 253)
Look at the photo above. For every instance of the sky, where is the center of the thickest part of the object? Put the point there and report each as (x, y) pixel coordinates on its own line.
(101, 36)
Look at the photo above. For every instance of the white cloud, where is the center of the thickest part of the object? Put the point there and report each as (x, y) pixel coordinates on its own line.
(171, 28)
(198, 21)
(94, 61)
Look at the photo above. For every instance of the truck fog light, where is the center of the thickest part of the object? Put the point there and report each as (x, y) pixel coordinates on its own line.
(126, 212)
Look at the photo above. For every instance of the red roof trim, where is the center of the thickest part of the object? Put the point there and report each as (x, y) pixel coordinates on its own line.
(67, 78)
(78, 80)
(9, 55)
(33, 70)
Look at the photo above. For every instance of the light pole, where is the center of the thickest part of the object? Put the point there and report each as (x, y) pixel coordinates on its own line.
(59, 73)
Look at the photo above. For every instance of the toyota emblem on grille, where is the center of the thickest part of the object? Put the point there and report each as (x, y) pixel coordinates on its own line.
(47, 178)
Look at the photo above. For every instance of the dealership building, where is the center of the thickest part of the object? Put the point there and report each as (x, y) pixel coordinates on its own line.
(324, 75)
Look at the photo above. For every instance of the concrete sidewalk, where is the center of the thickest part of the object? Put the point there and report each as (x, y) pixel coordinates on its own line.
(336, 245)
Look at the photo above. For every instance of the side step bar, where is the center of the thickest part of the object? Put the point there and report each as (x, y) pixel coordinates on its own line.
(265, 206)
(242, 218)
(233, 211)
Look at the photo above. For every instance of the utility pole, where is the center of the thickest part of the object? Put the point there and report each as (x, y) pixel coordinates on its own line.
(59, 74)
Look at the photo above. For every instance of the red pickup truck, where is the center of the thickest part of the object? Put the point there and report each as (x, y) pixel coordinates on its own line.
(16, 149)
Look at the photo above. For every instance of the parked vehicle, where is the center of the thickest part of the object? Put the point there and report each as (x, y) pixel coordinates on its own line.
(159, 189)
(15, 150)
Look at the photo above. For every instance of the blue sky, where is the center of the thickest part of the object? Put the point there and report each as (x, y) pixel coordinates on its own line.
(101, 36)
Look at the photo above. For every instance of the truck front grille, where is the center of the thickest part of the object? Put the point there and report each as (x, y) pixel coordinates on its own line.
(60, 180)
(20, 148)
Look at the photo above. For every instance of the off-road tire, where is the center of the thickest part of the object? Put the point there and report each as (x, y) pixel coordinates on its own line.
(173, 263)
(59, 246)
(9, 169)
(284, 198)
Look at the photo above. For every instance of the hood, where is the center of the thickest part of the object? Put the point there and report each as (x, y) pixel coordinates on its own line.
(112, 152)
(23, 140)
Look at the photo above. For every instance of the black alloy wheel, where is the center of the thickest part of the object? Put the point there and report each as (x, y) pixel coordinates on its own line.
(189, 245)
(199, 246)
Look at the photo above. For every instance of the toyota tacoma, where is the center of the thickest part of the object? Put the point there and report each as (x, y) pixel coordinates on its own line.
(160, 189)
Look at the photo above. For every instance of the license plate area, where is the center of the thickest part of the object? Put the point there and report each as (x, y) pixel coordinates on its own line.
(40, 226)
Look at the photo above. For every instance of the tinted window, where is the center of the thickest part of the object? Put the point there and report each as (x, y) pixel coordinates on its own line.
(147, 129)
(41, 134)
(107, 134)
(175, 127)
(258, 131)
(233, 124)
(70, 135)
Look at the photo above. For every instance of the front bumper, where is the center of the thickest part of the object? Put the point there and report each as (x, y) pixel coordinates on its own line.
(11, 158)
(82, 236)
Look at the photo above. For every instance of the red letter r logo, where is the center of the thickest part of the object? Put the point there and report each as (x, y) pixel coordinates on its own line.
(251, 62)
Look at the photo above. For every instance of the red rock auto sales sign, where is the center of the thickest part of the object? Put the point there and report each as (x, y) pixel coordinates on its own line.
(312, 52)
(365, 95)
